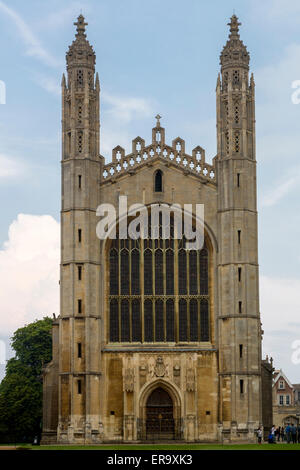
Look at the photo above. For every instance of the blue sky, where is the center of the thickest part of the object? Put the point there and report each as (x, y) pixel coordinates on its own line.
(152, 56)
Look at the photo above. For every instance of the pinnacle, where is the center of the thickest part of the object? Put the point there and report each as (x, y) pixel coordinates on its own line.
(80, 26)
(234, 26)
(234, 52)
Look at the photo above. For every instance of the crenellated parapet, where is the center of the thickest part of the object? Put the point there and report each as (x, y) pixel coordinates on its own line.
(172, 155)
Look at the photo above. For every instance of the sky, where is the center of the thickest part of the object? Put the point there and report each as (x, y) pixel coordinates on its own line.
(153, 57)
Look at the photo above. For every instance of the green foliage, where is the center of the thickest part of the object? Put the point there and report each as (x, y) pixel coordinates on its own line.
(21, 388)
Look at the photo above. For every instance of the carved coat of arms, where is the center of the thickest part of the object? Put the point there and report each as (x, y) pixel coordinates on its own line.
(159, 368)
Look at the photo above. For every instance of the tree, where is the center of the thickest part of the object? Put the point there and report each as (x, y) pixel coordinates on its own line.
(21, 389)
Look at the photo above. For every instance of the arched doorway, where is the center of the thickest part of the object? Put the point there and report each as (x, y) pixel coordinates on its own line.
(160, 422)
(290, 420)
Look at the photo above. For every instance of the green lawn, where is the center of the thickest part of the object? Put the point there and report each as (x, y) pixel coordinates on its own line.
(185, 447)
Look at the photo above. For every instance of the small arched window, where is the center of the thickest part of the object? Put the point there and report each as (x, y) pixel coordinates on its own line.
(158, 186)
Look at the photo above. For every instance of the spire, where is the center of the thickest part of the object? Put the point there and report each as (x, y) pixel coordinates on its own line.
(97, 82)
(80, 52)
(234, 53)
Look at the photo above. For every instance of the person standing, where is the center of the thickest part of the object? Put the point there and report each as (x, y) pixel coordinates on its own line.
(288, 433)
(259, 435)
(294, 433)
(278, 433)
(273, 433)
(298, 433)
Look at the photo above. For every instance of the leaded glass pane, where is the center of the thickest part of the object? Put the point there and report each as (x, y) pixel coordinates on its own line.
(193, 320)
(203, 272)
(159, 320)
(170, 272)
(136, 321)
(124, 272)
(170, 321)
(182, 280)
(193, 280)
(125, 321)
(204, 320)
(114, 272)
(135, 272)
(148, 321)
(114, 321)
(148, 272)
(159, 279)
(182, 320)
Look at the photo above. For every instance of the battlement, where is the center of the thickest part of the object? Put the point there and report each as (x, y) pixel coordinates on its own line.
(173, 155)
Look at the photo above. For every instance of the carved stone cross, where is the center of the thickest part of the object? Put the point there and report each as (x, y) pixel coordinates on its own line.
(158, 117)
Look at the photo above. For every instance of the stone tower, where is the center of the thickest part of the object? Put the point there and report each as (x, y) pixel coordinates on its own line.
(78, 325)
(153, 340)
(239, 317)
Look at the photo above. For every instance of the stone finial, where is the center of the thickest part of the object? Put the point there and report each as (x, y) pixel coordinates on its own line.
(80, 26)
(157, 117)
(234, 26)
(234, 53)
(80, 52)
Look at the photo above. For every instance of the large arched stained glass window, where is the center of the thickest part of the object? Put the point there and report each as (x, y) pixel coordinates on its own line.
(158, 291)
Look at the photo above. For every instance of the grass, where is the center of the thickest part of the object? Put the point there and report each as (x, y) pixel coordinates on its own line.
(185, 447)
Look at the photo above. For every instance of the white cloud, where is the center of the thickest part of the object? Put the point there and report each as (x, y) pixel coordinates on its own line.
(33, 46)
(118, 114)
(29, 271)
(277, 117)
(281, 189)
(126, 109)
(283, 12)
(59, 18)
(51, 85)
(10, 167)
(280, 311)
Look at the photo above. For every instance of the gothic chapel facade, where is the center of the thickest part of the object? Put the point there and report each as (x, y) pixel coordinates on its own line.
(154, 341)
